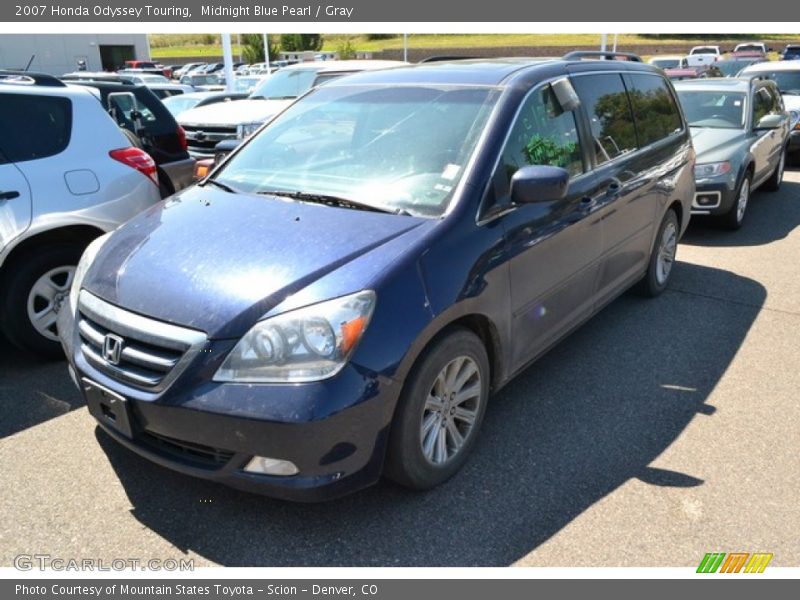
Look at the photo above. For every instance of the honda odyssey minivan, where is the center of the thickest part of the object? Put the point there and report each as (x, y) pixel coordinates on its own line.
(340, 298)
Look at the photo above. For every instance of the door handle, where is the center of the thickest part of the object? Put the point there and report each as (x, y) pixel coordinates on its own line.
(9, 195)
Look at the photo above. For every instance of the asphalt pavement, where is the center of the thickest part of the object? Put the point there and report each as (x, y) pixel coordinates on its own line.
(661, 430)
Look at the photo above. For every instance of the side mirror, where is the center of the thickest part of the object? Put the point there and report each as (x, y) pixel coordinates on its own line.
(565, 94)
(539, 184)
(770, 122)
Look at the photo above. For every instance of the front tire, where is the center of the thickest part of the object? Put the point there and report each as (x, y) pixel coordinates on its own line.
(34, 290)
(733, 219)
(440, 412)
(662, 257)
(773, 184)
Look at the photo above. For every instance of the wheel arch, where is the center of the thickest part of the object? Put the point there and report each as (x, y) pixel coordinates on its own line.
(75, 234)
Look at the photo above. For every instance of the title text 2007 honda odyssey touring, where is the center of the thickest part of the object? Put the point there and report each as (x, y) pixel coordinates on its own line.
(341, 296)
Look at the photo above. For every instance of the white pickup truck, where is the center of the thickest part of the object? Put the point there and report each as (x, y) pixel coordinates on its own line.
(703, 55)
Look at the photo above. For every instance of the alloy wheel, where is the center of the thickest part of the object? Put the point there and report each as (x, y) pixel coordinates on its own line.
(46, 298)
(451, 410)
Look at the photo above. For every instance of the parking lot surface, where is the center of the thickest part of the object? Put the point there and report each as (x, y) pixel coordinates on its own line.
(659, 431)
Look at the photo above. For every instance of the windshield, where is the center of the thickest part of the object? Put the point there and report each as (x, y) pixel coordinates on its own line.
(730, 68)
(177, 104)
(245, 84)
(286, 84)
(202, 79)
(717, 109)
(787, 81)
(704, 50)
(666, 63)
(393, 148)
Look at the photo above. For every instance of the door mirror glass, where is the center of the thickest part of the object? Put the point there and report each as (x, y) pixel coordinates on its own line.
(539, 184)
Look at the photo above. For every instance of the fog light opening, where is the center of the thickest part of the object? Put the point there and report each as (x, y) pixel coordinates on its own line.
(271, 466)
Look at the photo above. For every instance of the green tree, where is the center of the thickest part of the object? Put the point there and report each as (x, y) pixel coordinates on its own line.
(298, 42)
(346, 49)
(253, 48)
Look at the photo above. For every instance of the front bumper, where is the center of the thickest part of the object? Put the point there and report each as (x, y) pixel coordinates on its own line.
(334, 431)
(713, 198)
(794, 141)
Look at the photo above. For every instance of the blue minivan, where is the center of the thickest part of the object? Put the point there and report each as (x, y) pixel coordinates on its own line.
(341, 296)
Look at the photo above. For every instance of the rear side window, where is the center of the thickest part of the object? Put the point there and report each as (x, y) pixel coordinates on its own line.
(606, 103)
(654, 109)
(34, 127)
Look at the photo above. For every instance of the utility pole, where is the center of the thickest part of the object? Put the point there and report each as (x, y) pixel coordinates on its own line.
(227, 59)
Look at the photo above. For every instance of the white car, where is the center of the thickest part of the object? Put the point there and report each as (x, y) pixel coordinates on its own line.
(68, 174)
(206, 126)
(786, 75)
(700, 56)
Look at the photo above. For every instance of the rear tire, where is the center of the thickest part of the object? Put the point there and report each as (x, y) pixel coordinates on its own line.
(34, 290)
(440, 412)
(662, 257)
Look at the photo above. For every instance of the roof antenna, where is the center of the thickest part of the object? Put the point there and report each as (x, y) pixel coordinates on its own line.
(28, 66)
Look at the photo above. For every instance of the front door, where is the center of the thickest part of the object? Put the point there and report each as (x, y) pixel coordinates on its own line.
(552, 246)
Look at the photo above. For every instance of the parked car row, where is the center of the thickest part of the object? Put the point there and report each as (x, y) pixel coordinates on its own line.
(385, 247)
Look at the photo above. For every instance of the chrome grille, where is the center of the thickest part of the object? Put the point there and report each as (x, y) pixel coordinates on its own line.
(202, 140)
(147, 354)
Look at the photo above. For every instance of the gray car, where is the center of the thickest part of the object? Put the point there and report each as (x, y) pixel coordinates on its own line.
(740, 130)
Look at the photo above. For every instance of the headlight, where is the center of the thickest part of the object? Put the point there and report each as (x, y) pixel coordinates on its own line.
(83, 265)
(307, 344)
(245, 130)
(794, 119)
(711, 169)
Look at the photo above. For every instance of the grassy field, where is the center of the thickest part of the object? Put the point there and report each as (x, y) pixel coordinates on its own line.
(179, 45)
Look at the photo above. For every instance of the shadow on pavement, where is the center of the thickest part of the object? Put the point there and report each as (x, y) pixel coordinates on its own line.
(586, 418)
(770, 216)
(31, 390)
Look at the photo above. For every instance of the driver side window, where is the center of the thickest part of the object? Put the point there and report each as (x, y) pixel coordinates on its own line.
(543, 134)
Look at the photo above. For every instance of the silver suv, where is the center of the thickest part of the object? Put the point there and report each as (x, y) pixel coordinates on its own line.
(68, 174)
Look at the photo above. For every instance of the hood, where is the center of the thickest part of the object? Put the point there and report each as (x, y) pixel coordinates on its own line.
(233, 113)
(217, 262)
(712, 144)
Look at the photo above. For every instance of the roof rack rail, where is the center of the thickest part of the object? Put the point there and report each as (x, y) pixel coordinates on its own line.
(446, 58)
(29, 78)
(607, 55)
(112, 78)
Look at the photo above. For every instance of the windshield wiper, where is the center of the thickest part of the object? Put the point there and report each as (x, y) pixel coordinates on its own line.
(331, 200)
(220, 185)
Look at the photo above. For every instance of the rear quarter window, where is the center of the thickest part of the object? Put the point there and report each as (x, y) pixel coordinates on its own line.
(655, 111)
(33, 127)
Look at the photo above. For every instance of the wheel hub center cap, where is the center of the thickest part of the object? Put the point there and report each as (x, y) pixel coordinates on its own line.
(58, 301)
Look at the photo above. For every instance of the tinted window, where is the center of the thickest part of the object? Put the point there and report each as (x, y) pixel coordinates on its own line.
(33, 127)
(654, 109)
(606, 103)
